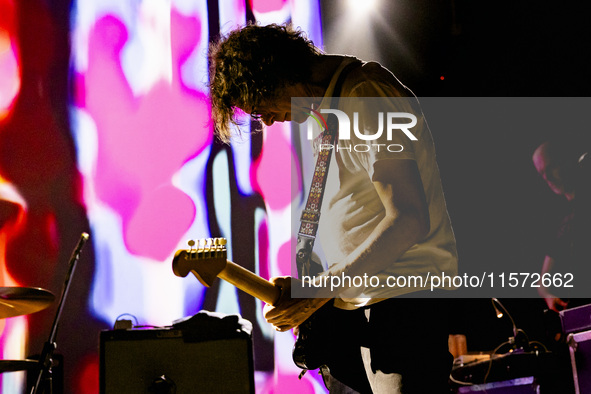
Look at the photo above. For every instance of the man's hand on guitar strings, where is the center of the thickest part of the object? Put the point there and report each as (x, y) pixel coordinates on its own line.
(288, 313)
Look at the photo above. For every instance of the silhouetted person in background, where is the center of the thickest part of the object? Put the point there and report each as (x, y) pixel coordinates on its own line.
(564, 165)
(387, 218)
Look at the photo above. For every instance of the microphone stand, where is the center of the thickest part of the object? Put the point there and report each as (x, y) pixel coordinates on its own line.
(45, 360)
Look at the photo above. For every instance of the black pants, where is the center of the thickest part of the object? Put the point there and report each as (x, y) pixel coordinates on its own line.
(407, 336)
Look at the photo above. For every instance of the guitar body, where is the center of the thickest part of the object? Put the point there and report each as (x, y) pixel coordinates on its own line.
(330, 337)
(312, 347)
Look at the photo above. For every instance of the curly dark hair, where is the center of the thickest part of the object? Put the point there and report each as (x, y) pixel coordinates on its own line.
(253, 63)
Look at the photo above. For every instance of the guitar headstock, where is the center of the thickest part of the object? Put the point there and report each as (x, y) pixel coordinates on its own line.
(205, 259)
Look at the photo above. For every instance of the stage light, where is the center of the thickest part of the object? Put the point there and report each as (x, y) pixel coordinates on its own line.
(519, 340)
(354, 31)
(496, 303)
(361, 7)
(497, 311)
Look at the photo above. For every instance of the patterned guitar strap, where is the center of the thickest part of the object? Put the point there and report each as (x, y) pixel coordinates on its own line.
(311, 214)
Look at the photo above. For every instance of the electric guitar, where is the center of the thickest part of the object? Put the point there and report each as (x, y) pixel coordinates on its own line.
(207, 260)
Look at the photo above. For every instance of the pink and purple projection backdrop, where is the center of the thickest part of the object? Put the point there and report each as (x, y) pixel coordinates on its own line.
(153, 177)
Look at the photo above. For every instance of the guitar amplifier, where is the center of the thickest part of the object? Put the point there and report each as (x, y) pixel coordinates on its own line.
(203, 356)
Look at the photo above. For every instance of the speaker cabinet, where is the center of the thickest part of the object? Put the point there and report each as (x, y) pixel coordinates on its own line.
(580, 355)
(167, 361)
(525, 385)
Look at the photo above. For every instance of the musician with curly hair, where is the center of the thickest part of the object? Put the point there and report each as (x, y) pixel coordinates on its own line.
(387, 217)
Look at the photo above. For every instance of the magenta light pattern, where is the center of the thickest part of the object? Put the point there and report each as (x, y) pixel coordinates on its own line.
(153, 177)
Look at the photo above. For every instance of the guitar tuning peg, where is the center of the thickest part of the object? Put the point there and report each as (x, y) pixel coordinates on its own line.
(191, 243)
(219, 249)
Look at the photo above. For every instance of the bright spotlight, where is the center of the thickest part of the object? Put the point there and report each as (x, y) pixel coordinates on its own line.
(361, 7)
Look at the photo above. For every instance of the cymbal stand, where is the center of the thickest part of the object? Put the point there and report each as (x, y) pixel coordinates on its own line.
(46, 358)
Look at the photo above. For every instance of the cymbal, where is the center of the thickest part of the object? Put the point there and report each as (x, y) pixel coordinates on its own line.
(17, 365)
(15, 301)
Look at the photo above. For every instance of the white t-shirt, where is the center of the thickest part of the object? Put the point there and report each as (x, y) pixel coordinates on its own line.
(351, 206)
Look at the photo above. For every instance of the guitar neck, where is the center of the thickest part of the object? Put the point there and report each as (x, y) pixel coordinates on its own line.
(250, 283)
